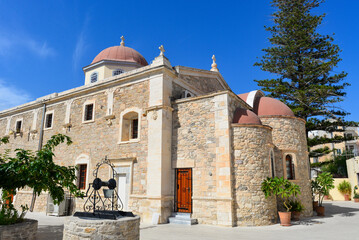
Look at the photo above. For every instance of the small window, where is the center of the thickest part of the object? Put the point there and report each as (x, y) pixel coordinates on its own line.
(272, 164)
(18, 126)
(82, 176)
(94, 77)
(88, 116)
(315, 159)
(289, 167)
(48, 120)
(339, 151)
(130, 127)
(117, 72)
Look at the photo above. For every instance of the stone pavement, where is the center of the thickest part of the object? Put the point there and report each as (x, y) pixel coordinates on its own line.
(341, 222)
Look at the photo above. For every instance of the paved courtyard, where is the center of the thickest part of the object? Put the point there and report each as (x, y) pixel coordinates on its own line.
(341, 222)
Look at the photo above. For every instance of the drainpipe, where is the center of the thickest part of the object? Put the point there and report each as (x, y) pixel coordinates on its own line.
(39, 148)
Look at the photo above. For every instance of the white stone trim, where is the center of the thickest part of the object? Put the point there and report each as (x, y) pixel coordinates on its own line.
(8, 126)
(123, 113)
(109, 93)
(83, 159)
(52, 120)
(34, 119)
(68, 110)
(89, 102)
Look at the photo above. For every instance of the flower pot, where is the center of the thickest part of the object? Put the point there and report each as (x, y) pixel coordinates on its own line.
(346, 197)
(356, 199)
(320, 211)
(285, 218)
(295, 215)
(326, 197)
(315, 205)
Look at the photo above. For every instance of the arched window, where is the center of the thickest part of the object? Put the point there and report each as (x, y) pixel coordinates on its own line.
(117, 72)
(130, 126)
(289, 167)
(272, 164)
(94, 77)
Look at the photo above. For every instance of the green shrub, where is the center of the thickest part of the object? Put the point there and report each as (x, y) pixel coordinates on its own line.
(356, 195)
(345, 187)
(296, 206)
(8, 213)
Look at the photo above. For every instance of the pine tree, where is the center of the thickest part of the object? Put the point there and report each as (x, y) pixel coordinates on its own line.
(302, 62)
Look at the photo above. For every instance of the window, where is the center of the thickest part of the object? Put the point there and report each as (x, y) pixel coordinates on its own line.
(339, 151)
(82, 176)
(18, 126)
(94, 77)
(88, 116)
(48, 120)
(289, 167)
(117, 72)
(272, 164)
(315, 159)
(134, 128)
(130, 126)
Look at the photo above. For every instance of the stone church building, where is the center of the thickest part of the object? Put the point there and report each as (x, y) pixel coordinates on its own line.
(179, 138)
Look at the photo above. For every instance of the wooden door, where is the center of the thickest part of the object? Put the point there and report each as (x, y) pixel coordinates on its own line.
(184, 190)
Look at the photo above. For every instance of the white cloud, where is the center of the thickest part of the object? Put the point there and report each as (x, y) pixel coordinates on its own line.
(11, 96)
(10, 42)
(79, 49)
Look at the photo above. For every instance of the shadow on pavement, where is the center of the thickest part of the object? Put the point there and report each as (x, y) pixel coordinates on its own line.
(45, 232)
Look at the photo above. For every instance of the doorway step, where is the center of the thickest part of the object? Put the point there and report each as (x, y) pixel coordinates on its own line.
(182, 218)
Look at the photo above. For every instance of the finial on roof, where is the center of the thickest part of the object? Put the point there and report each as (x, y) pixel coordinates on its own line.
(122, 41)
(214, 64)
(162, 49)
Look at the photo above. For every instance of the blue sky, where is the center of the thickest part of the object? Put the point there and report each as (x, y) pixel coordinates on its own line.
(45, 44)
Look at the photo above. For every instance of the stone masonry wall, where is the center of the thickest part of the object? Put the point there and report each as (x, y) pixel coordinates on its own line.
(94, 139)
(289, 137)
(204, 84)
(252, 146)
(194, 146)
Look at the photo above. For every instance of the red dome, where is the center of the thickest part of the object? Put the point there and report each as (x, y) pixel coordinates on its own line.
(266, 106)
(245, 116)
(120, 53)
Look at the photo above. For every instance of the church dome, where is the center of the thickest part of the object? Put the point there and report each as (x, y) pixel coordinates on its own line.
(245, 116)
(266, 106)
(120, 53)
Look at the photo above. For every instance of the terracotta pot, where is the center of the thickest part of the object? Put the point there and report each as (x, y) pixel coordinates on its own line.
(315, 205)
(346, 197)
(285, 218)
(320, 211)
(295, 216)
(326, 197)
(356, 199)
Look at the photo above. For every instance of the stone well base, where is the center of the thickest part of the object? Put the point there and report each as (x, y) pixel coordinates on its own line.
(19, 231)
(127, 228)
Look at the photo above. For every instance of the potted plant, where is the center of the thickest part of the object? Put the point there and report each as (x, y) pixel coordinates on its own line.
(325, 183)
(296, 207)
(285, 190)
(356, 195)
(345, 188)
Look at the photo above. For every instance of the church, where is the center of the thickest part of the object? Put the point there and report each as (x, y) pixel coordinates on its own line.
(180, 139)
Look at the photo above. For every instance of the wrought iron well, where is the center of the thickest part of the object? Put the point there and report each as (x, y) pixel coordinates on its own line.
(107, 206)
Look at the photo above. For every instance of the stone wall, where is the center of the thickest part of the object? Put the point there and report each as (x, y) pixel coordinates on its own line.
(204, 84)
(127, 228)
(194, 146)
(25, 230)
(289, 137)
(93, 139)
(252, 145)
